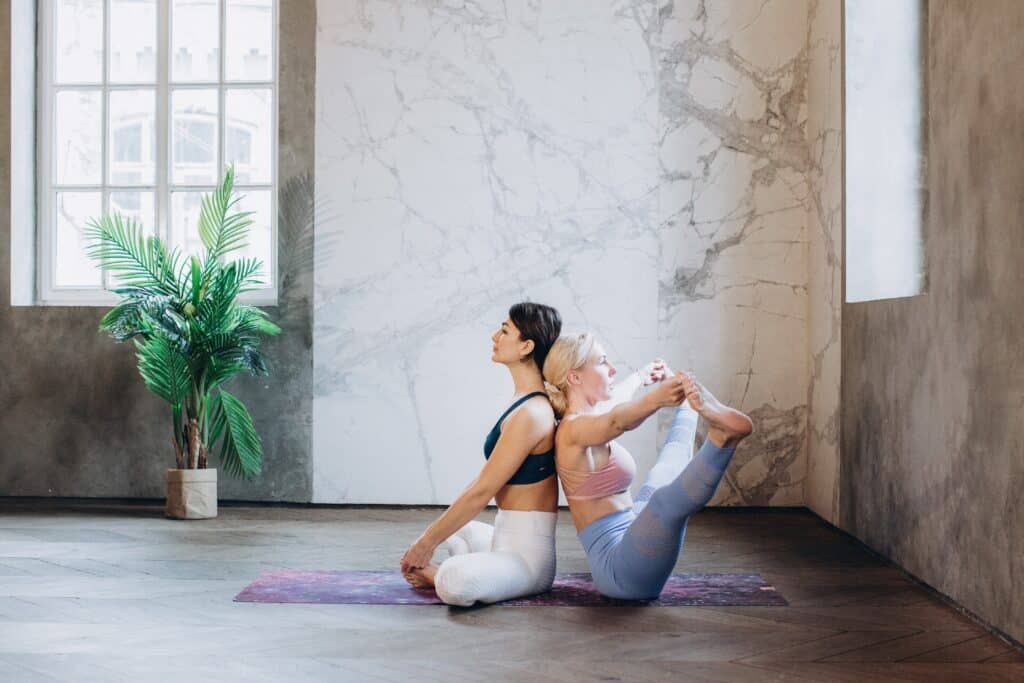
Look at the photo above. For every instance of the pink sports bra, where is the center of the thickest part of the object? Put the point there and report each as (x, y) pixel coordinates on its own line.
(613, 477)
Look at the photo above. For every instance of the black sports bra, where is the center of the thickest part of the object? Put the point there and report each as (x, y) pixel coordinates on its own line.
(537, 466)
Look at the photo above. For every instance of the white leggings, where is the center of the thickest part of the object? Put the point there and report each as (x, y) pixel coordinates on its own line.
(515, 557)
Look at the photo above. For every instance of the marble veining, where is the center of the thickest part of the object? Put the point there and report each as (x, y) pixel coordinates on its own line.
(642, 165)
(824, 133)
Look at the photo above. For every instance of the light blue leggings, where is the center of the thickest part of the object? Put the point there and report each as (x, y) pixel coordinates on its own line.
(632, 553)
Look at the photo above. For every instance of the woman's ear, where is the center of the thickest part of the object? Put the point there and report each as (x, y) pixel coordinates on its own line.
(573, 378)
(526, 349)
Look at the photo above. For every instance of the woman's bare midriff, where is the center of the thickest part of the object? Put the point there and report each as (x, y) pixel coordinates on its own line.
(585, 512)
(539, 497)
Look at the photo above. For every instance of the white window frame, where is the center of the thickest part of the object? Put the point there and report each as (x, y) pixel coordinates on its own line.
(47, 293)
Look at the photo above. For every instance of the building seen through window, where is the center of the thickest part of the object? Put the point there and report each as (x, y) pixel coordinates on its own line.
(125, 137)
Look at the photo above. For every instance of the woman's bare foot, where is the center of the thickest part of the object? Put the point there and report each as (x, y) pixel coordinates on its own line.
(421, 578)
(726, 426)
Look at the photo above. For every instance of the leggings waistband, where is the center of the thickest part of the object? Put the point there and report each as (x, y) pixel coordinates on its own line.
(533, 522)
(599, 528)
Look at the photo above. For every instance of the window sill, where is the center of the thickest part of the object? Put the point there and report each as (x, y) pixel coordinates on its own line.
(268, 299)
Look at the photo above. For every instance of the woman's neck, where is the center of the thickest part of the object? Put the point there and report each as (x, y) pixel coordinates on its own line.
(526, 378)
(579, 406)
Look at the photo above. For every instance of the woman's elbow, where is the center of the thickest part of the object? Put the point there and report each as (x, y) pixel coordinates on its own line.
(619, 425)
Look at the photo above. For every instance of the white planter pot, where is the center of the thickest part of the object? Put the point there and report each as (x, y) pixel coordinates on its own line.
(192, 494)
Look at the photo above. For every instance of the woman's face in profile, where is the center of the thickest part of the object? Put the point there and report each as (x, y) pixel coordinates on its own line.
(506, 343)
(596, 376)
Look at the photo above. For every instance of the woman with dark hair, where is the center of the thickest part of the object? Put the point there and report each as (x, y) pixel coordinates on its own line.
(516, 556)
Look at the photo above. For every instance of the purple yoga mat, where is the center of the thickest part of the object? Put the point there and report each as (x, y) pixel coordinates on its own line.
(570, 590)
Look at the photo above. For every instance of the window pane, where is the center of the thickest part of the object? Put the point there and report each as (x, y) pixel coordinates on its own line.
(885, 157)
(133, 41)
(260, 243)
(249, 36)
(248, 134)
(132, 137)
(72, 268)
(194, 137)
(78, 41)
(185, 207)
(139, 205)
(195, 43)
(77, 146)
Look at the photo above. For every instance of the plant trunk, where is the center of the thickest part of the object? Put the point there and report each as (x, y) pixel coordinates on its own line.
(179, 459)
(202, 455)
(193, 443)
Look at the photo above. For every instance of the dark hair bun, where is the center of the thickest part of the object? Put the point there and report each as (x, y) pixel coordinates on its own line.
(538, 323)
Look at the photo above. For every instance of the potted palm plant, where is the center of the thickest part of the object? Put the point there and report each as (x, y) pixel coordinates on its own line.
(191, 336)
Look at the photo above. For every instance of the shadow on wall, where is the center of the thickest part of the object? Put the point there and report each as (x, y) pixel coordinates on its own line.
(281, 405)
(298, 252)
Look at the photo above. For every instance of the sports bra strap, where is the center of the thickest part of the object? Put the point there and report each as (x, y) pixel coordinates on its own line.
(518, 403)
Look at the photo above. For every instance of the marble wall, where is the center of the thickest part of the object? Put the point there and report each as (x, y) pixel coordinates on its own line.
(933, 464)
(825, 257)
(733, 197)
(644, 166)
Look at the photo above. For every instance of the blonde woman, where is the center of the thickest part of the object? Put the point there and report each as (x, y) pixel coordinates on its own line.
(516, 556)
(632, 547)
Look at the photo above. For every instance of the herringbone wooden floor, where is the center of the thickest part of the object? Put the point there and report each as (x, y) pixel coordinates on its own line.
(117, 593)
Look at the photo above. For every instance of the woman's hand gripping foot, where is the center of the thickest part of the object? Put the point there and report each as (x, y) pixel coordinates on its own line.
(726, 426)
(422, 577)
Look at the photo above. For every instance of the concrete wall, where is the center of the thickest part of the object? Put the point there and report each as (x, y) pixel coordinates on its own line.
(643, 166)
(933, 385)
(75, 419)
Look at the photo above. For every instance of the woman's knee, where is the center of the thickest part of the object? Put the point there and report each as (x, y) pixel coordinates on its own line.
(477, 535)
(456, 583)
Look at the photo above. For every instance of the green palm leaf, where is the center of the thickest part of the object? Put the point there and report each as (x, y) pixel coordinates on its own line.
(241, 452)
(141, 262)
(164, 370)
(251, 320)
(215, 313)
(136, 315)
(222, 233)
(219, 371)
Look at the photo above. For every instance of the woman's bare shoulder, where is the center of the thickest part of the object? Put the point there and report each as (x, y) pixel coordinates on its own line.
(534, 415)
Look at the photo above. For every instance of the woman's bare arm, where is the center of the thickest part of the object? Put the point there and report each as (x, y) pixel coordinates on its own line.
(594, 430)
(523, 431)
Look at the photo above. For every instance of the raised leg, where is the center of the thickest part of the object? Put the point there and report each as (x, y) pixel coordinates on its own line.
(644, 558)
(675, 455)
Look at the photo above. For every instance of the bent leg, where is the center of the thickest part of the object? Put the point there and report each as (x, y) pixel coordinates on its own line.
(675, 455)
(643, 560)
(474, 537)
(521, 563)
(483, 577)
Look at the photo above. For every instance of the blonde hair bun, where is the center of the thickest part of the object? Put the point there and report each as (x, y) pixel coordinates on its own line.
(568, 353)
